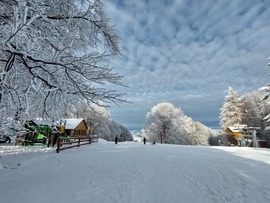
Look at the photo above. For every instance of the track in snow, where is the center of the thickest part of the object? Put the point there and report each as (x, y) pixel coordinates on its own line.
(135, 173)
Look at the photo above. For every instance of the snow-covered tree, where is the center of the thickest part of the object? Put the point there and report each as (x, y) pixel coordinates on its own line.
(218, 139)
(266, 90)
(201, 134)
(265, 110)
(231, 111)
(253, 108)
(53, 53)
(120, 131)
(256, 111)
(166, 123)
(100, 122)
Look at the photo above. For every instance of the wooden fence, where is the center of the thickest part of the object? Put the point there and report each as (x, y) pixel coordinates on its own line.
(70, 142)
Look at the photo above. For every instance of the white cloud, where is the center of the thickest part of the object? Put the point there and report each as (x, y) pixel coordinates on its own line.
(189, 52)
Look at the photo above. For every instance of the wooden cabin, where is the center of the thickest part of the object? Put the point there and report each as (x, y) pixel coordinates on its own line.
(76, 127)
(238, 132)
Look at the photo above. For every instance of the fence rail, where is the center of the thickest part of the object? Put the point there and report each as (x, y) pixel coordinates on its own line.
(70, 142)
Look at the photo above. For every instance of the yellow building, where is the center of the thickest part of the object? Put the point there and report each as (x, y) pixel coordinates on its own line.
(238, 132)
(76, 127)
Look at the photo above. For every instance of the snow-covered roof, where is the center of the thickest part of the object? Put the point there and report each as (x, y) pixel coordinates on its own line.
(72, 123)
(233, 129)
(237, 128)
(242, 129)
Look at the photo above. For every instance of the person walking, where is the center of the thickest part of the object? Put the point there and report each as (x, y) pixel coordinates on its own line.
(116, 139)
(144, 140)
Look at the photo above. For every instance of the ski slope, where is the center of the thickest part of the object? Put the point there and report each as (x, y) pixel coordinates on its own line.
(132, 172)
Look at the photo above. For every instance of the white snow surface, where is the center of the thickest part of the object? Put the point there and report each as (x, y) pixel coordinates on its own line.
(131, 172)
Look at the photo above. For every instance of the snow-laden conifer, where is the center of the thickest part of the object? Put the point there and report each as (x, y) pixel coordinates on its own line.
(231, 111)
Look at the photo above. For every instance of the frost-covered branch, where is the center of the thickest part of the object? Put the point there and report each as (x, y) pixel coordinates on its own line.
(49, 54)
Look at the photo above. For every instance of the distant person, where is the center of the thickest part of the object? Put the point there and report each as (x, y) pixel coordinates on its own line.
(116, 139)
(144, 140)
(153, 143)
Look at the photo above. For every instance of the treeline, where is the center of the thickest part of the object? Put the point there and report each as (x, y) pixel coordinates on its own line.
(167, 124)
(251, 109)
(100, 122)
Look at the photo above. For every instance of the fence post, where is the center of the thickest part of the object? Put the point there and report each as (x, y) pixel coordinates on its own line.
(79, 140)
(90, 140)
(58, 145)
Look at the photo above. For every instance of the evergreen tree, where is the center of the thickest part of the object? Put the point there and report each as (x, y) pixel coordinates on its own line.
(265, 110)
(231, 111)
(254, 108)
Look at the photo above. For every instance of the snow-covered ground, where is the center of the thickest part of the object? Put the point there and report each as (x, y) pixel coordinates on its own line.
(132, 172)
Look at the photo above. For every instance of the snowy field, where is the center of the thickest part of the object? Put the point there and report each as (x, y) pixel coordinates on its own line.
(131, 172)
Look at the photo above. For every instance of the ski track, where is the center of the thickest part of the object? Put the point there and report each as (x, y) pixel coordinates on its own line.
(194, 175)
(134, 173)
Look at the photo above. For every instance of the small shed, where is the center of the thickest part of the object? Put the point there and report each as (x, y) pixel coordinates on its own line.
(76, 127)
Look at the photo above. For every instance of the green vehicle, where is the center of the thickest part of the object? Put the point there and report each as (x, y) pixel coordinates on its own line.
(39, 133)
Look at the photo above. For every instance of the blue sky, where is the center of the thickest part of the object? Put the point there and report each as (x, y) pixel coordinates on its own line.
(188, 52)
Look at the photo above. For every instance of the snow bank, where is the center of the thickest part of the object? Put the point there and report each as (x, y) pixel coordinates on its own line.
(259, 154)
